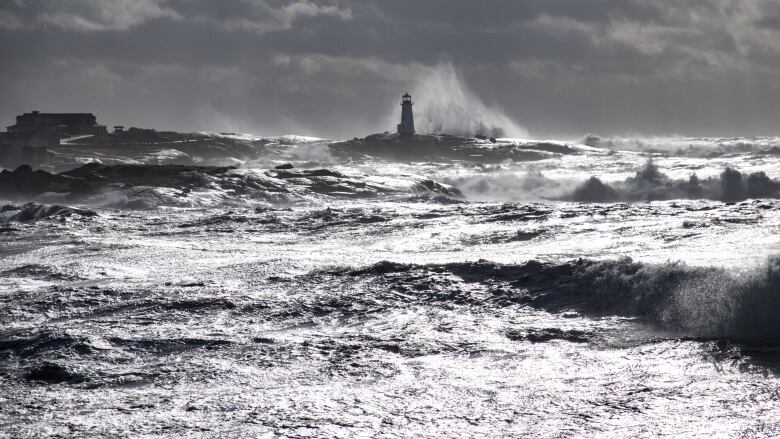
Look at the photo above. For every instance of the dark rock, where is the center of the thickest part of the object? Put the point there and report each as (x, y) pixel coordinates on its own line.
(263, 340)
(23, 170)
(177, 176)
(285, 166)
(323, 173)
(307, 173)
(96, 178)
(23, 179)
(52, 373)
(39, 181)
(26, 181)
(549, 334)
(444, 147)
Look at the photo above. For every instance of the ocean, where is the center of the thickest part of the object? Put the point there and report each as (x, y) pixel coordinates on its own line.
(449, 288)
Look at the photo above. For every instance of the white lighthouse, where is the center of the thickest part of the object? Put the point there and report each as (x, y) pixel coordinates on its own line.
(406, 127)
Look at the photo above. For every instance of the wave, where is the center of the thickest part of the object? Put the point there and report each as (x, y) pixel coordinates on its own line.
(511, 186)
(704, 302)
(47, 343)
(704, 147)
(52, 356)
(37, 271)
(445, 104)
(34, 212)
(649, 184)
(146, 186)
(52, 373)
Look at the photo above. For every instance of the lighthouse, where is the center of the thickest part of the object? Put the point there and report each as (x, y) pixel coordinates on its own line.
(406, 127)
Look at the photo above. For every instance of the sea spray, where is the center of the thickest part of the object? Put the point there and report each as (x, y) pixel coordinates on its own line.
(445, 104)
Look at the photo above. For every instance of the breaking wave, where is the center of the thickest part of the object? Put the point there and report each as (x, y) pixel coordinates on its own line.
(649, 184)
(686, 146)
(703, 302)
(149, 186)
(511, 186)
(445, 104)
(33, 212)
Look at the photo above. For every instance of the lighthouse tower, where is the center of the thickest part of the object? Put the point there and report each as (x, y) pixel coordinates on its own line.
(406, 127)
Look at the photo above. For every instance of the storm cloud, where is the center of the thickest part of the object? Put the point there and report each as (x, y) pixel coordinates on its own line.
(337, 68)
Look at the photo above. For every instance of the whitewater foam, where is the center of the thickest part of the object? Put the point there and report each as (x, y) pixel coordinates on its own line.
(702, 302)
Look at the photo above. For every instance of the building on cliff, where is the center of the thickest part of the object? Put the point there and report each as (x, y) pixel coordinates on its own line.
(27, 140)
(58, 124)
(406, 127)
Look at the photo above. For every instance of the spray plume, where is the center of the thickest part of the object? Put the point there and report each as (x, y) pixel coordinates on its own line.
(445, 104)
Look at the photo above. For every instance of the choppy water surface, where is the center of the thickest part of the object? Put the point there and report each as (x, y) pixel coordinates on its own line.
(505, 314)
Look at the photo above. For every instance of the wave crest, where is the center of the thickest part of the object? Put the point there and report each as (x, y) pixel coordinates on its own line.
(705, 302)
(649, 184)
(446, 105)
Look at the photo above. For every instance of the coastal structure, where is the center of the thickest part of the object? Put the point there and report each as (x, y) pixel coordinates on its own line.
(58, 124)
(406, 127)
(28, 139)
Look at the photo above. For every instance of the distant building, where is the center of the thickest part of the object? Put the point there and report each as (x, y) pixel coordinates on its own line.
(61, 124)
(27, 140)
(406, 127)
(119, 129)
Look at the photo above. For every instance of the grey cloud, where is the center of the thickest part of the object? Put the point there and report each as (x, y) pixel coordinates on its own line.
(335, 68)
(120, 15)
(82, 15)
(261, 16)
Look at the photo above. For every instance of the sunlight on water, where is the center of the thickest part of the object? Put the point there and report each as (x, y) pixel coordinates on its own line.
(352, 295)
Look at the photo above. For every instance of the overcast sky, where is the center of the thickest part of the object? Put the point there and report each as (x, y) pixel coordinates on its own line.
(559, 68)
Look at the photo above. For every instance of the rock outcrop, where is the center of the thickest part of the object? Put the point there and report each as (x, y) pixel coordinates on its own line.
(444, 147)
(274, 185)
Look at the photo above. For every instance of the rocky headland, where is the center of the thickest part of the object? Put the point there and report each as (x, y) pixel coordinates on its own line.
(445, 147)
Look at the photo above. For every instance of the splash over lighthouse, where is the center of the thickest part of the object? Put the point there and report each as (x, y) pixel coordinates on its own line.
(406, 127)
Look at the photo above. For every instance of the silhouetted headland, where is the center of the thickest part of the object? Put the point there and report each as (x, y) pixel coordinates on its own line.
(445, 147)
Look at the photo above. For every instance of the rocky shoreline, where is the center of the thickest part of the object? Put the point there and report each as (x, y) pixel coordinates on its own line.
(445, 148)
(284, 184)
